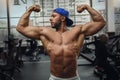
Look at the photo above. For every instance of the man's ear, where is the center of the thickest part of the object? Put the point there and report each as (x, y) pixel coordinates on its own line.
(63, 18)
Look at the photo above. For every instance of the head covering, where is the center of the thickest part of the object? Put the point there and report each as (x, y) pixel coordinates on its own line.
(65, 13)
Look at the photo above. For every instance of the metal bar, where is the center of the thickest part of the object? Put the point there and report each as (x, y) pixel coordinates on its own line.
(8, 17)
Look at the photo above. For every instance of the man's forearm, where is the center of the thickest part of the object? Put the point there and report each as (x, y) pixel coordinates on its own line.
(24, 20)
(96, 16)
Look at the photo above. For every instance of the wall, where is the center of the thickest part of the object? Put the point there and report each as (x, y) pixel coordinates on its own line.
(16, 12)
(117, 16)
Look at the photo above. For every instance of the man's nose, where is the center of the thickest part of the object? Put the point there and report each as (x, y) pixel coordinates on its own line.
(50, 18)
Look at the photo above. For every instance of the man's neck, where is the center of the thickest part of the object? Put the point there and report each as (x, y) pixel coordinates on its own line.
(62, 29)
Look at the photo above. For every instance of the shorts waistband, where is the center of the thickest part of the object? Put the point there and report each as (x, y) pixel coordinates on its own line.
(52, 77)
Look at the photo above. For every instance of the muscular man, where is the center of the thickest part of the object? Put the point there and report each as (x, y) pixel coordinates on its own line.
(62, 44)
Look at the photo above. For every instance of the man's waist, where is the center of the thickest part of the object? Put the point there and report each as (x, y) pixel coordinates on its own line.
(64, 73)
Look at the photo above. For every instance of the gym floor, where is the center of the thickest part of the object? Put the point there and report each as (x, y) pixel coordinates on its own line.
(39, 70)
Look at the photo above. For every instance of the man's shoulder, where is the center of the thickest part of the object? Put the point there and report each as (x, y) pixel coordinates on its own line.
(48, 29)
(77, 27)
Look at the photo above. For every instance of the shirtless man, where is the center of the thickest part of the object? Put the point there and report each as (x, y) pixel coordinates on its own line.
(63, 45)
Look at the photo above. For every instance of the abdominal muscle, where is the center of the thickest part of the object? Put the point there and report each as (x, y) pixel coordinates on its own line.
(63, 61)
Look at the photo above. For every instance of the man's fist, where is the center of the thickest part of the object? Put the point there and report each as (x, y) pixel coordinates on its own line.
(35, 8)
(81, 8)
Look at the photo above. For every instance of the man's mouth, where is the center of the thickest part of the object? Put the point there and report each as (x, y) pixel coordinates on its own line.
(52, 23)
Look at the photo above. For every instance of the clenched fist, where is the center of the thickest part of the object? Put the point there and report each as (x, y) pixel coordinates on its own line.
(81, 8)
(35, 8)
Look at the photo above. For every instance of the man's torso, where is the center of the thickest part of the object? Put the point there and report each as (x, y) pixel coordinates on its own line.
(63, 49)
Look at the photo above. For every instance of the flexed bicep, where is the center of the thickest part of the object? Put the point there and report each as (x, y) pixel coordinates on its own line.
(92, 27)
(32, 32)
(23, 24)
(97, 21)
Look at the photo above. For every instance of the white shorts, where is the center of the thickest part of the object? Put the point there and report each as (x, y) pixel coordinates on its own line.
(52, 77)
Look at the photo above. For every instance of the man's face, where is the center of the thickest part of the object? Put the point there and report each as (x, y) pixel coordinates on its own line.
(55, 20)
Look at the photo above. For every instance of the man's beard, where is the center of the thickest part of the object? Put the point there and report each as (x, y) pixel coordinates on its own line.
(57, 25)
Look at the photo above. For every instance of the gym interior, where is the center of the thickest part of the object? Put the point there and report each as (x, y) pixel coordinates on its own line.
(22, 58)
